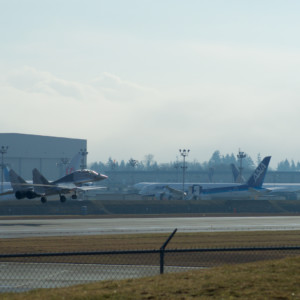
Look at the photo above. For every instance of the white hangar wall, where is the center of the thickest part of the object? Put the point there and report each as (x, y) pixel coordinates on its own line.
(46, 153)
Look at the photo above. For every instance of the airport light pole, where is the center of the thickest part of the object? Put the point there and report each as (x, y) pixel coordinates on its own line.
(241, 155)
(83, 153)
(133, 163)
(184, 153)
(3, 151)
(113, 165)
(176, 166)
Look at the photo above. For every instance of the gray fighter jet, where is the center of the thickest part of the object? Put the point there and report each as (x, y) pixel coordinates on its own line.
(71, 183)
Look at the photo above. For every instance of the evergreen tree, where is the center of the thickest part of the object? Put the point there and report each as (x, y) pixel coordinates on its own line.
(149, 160)
(258, 159)
(292, 166)
(248, 162)
(216, 158)
(283, 166)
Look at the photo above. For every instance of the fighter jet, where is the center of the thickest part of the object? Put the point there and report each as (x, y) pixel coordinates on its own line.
(71, 183)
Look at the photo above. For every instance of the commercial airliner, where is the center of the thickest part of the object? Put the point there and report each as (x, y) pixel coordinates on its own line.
(71, 183)
(209, 190)
(289, 191)
(248, 190)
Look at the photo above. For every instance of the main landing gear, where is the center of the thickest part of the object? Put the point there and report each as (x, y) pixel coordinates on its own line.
(62, 198)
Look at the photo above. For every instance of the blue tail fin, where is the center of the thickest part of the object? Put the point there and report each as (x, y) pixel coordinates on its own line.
(257, 178)
(6, 173)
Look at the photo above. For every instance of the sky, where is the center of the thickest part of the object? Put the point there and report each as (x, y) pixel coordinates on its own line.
(141, 77)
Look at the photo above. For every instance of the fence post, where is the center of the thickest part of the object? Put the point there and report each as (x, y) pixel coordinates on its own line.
(162, 251)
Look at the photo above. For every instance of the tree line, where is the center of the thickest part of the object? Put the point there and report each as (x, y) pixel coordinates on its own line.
(217, 162)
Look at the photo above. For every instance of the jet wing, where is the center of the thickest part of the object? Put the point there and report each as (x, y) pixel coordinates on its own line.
(73, 187)
(90, 188)
(259, 191)
(67, 187)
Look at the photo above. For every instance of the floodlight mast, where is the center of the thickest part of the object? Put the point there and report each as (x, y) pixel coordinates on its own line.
(133, 163)
(241, 155)
(176, 166)
(184, 153)
(3, 151)
(83, 153)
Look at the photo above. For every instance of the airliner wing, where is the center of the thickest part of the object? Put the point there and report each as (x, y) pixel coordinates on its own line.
(284, 189)
(8, 192)
(259, 192)
(174, 191)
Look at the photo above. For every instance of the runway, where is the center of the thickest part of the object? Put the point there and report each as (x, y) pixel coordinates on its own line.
(69, 227)
(23, 276)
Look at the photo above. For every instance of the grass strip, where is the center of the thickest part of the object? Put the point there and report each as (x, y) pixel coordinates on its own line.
(261, 280)
(149, 241)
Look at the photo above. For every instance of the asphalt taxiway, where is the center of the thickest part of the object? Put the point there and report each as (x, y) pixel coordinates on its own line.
(62, 227)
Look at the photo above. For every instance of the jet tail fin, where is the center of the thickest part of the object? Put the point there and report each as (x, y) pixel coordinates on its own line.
(6, 173)
(235, 172)
(39, 181)
(74, 164)
(17, 182)
(257, 178)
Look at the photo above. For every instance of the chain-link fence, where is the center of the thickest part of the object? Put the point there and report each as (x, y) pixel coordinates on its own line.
(21, 272)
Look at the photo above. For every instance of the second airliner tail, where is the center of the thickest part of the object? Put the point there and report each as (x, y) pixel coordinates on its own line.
(257, 178)
(74, 164)
(235, 172)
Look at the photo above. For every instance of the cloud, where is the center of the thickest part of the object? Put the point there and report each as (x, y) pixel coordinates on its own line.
(32, 81)
(116, 89)
(121, 119)
(38, 102)
(108, 87)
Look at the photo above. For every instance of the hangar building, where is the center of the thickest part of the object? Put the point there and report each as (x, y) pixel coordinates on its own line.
(46, 153)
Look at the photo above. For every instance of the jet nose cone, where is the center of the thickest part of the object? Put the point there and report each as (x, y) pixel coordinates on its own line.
(101, 176)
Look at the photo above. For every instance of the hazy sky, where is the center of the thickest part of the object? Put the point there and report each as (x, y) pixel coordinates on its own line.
(150, 77)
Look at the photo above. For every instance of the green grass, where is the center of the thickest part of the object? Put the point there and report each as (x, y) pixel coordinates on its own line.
(277, 279)
(261, 280)
(150, 241)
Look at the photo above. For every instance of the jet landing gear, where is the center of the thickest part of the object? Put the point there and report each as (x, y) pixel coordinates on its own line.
(62, 198)
(74, 196)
